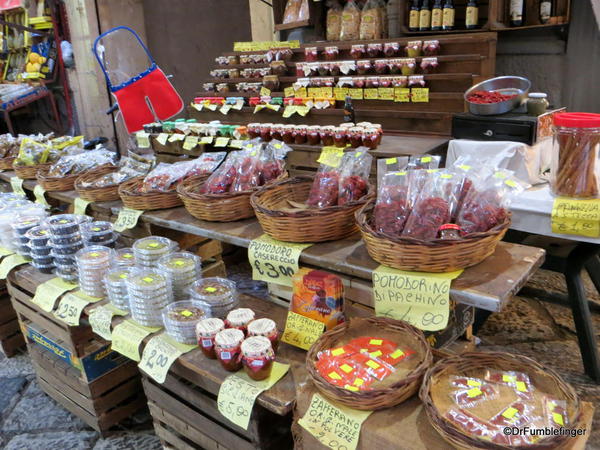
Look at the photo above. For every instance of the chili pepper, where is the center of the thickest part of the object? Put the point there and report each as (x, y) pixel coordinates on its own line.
(482, 97)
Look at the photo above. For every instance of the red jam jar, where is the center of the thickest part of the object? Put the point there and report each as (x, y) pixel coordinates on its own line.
(228, 348)
(339, 137)
(206, 330)
(287, 134)
(300, 70)
(311, 54)
(363, 67)
(277, 131)
(265, 131)
(326, 135)
(357, 51)
(266, 328)
(257, 357)
(391, 48)
(369, 138)
(254, 130)
(378, 130)
(331, 53)
(381, 66)
(300, 134)
(312, 135)
(355, 137)
(239, 318)
(374, 50)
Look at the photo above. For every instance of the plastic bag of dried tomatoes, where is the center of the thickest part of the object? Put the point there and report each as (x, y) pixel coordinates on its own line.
(472, 172)
(272, 161)
(247, 168)
(392, 207)
(354, 179)
(325, 187)
(222, 179)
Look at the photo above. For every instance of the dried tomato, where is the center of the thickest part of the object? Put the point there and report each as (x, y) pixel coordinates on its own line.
(222, 183)
(427, 217)
(353, 188)
(488, 97)
(270, 171)
(392, 211)
(324, 191)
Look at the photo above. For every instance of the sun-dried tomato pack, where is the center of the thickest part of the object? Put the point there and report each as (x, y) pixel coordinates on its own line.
(424, 162)
(469, 397)
(247, 168)
(354, 177)
(222, 179)
(516, 414)
(370, 344)
(555, 413)
(325, 187)
(476, 427)
(272, 160)
(465, 382)
(392, 207)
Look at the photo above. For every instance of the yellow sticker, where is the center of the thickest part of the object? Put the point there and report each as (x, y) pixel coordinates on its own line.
(401, 95)
(40, 195)
(509, 378)
(426, 159)
(419, 95)
(333, 425)
(355, 93)
(422, 299)
(210, 289)
(340, 93)
(9, 263)
(389, 161)
(162, 138)
(346, 368)
(127, 219)
(176, 137)
(80, 205)
(48, 292)
(473, 383)
(71, 306)
(190, 142)
(372, 364)
(358, 382)
(351, 388)
(521, 386)
(100, 319)
(238, 393)
(198, 106)
(186, 313)
(17, 185)
(331, 156)
(236, 143)
(334, 376)
(212, 106)
(289, 111)
(222, 142)
(371, 94)
(577, 217)
(127, 337)
(376, 354)
(225, 109)
(206, 140)
(386, 93)
(338, 351)
(274, 261)
(301, 331)
(142, 139)
(264, 92)
(326, 92)
(301, 92)
(302, 110)
(314, 92)
(289, 92)
(376, 342)
(474, 392)
(159, 354)
(558, 418)
(148, 279)
(510, 412)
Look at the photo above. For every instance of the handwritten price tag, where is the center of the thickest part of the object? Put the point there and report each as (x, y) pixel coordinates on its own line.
(9, 263)
(335, 426)
(238, 105)
(289, 92)
(127, 337)
(127, 219)
(159, 354)
(143, 139)
(71, 306)
(331, 156)
(236, 143)
(5, 252)
(38, 192)
(289, 111)
(314, 92)
(422, 299)
(100, 319)
(303, 110)
(176, 137)
(48, 292)
(17, 185)
(301, 331)
(301, 92)
(212, 106)
(198, 106)
(402, 95)
(264, 92)
(162, 138)
(190, 142)
(222, 142)
(419, 95)
(340, 93)
(206, 140)
(225, 109)
(327, 92)
(578, 217)
(371, 94)
(80, 205)
(386, 93)
(274, 261)
(238, 393)
(355, 93)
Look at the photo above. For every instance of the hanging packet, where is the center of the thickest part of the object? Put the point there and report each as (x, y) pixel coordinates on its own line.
(354, 176)
(392, 207)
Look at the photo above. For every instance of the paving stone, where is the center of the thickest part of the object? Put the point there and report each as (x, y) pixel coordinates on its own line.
(62, 440)
(16, 366)
(126, 441)
(563, 317)
(9, 390)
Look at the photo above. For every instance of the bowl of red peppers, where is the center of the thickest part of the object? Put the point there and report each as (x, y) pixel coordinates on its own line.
(497, 95)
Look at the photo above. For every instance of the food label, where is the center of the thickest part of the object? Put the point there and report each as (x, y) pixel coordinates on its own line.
(17, 185)
(578, 217)
(301, 92)
(264, 45)
(190, 142)
(472, 16)
(422, 299)
(413, 21)
(159, 354)
(448, 19)
(48, 292)
(335, 426)
(80, 205)
(371, 94)
(340, 93)
(236, 143)
(127, 337)
(238, 105)
(5, 252)
(436, 18)
(198, 106)
(355, 93)
(176, 137)
(71, 306)
(301, 331)
(40, 197)
(238, 393)
(100, 319)
(402, 95)
(289, 111)
(222, 142)
(9, 263)
(302, 110)
(162, 138)
(225, 109)
(127, 219)
(386, 93)
(419, 95)
(142, 139)
(289, 92)
(212, 106)
(331, 156)
(206, 140)
(314, 92)
(264, 92)
(274, 261)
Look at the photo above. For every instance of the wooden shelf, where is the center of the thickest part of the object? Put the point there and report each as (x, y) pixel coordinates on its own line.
(529, 27)
(290, 79)
(291, 25)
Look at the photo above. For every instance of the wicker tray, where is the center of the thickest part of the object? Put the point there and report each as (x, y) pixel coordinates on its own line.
(132, 198)
(435, 395)
(307, 225)
(94, 194)
(410, 254)
(7, 163)
(29, 172)
(396, 388)
(66, 183)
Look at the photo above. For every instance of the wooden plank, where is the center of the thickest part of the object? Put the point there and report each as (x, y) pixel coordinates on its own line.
(173, 434)
(12, 345)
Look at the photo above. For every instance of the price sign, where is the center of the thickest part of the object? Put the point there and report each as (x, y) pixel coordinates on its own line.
(198, 106)
(578, 217)
(143, 139)
(159, 354)
(422, 299)
(264, 92)
(301, 92)
(48, 292)
(238, 393)
(289, 92)
(176, 137)
(5, 252)
(289, 111)
(402, 95)
(314, 92)
(38, 192)
(17, 185)
(274, 261)
(419, 95)
(331, 156)
(386, 93)
(222, 142)
(100, 319)
(206, 140)
(236, 143)
(355, 93)
(80, 205)
(371, 94)
(238, 105)
(301, 331)
(335, 426)
(302, 110)
(340, 93)
(327, 92)
(127, 219)
(225, 109)
(190, 142)
(9, 263)
(71, 306)
(212, 106)
(127, 337)
(162, 138)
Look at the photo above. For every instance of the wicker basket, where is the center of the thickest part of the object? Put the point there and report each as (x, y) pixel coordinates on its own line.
(97, 194)
(436, 256)
(66, 183)
(227, 207)
(29, 172)
(7, 163)
(435, 395)
(396, 388)
(134, 199)
(306, 225)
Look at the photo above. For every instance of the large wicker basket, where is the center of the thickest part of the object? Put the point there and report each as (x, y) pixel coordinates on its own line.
(7, 163)
(396, 388)
(65, 183)
(272, 208)
(29, 172)
(435, 395)
(134, 199)
(438, 255)
(97, 194)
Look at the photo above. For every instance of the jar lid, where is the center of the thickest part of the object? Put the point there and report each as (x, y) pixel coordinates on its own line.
(577, 120)
(240, 316)
(230, 337)
(449, 226)
(256, 346)
(537, 95)
(209, 327)
(261, 327)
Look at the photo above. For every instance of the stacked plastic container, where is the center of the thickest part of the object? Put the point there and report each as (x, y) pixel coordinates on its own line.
(180, 319)
(149, 250)
(149, 292)
(123, 257)
(20, 226)
(39, 246)
(92, 264)
(217, 295)
(184, 268)
(115, 282)
(66, 241)
(98, 233)
(9, 211)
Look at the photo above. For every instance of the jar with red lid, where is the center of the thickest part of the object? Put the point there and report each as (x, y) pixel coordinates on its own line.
(206, 330)
(449, 231)
(381, 66)
(431, 48)
(331, 53)
(267, 328)
(357, 51)
(254, 130)
(408, 66)
(326, 135)
(340, 137)
(239, 318)
(335, 69)
(363, 67)
(257, 357)
(287, 134)
(355, 137)
(311, 54)
(429, 65)
(300, 134)
(377, 127)
(369, 137)
(312, 135)
(277, 131)
(416, 81)
(391, 49)
(228, 344)
(374, 50)
(265, 131)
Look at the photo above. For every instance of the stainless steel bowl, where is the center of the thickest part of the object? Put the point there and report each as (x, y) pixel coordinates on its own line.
(505, 85)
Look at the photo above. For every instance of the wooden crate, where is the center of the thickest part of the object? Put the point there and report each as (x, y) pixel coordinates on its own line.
(11, 338)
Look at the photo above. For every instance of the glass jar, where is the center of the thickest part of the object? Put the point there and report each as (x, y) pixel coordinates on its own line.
(228, 348)
(374, 50)
(408, 66)
(326, 135)
(340, 137)
(381, 66)
(431, 48)
(391, 49)
(312, 135)
(358, 82)
(300, 134)
(323, 69)
(206, 330)
(254, 130)
(536, 103)
(413, 49)
(277, 131)
(257, 357)
(331, 53)
(300, 70)
(239, 318)
(575, 156)
(357, 51)
(429, 65)
(372, 82)
(278, 68)
(287, 134)
(267, 328)
(355, 137)
(311, 53)
(449, 231)
(363, 67)
(379, 130)
(265, 131)
(385, 81)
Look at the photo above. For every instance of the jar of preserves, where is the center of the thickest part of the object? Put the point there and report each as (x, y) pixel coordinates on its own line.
(339, 137)
(239, 318)
(300, 134)
(400, 81)
(379, 130)
(363, 67)
(429, 65)
(271, 82)
(254, 130)
(300, 70)
(449, 231)
(355, 137)
(311, 53)
(265, 131)
(374, 50)
(331, 53)
(257, 357)
(324, 69)
(326, 135)
(357, 51)
(206, 330)
(358, 82)
(431, 48)
(369, 137)
(395, 66)
(385, 81)
(312, 135)
(287, 134)
(536, 103)
(391, 49)
(277, 131)
(278, 68)
(408, 66)
(372, 82)
(267, 328)
(381, 66)
(413, 49)
(228, 348)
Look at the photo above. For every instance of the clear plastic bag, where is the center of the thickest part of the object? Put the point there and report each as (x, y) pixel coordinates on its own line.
(424, 162)
(469, 397)
(475, 426)
(354, 179)
(392, 207)
(133, 165)
(303, 12)
(73, 164)
(222, 179)
(516, 414)
(334, 21)
(247, 169)
(32, 152)
(371, 21)
(325, 187)
(292, 11)
(272, 161)
(350, 29)
(555, 413)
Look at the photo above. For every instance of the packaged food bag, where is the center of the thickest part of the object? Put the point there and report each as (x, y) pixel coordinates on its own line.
(371, 21)
(32, 153)
(334, 21)
(292, 11)
(222, 179)
(325, 188)
(350, 30)
(247, 169)
(73, 164)
(354, 179)
(272, 161)
(318, 295)
(392, 207)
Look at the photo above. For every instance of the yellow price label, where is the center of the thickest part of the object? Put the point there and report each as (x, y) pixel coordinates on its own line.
(355, 93)
(212, 106)
(127, 219)
(419, 95)
(100, 319)
(289, 111)
(159, 354)
(302, 110)
(39, 193)
(48, 292)
(577, 217)
(127, 337)
(236, 143)
(162, 138)
(274, 261)
(143, 139)
(222, 142)
(80, 205)
(71, 306)
(333, 425)
(17, 185)
(206, 140)
(314, 92)
(331, 156)
(5, 252)
(176, 137)
(327, 92)
(301, 92)
(238, 105)
(9, 263)
(402, 95)
(225, 109)
(190, 142)
(340, 93)
(371, 94)
(386, 93)
(289, 92)
(301, 331)
(238, 394)
(264, 92)
(422, 299)
(198, 106)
